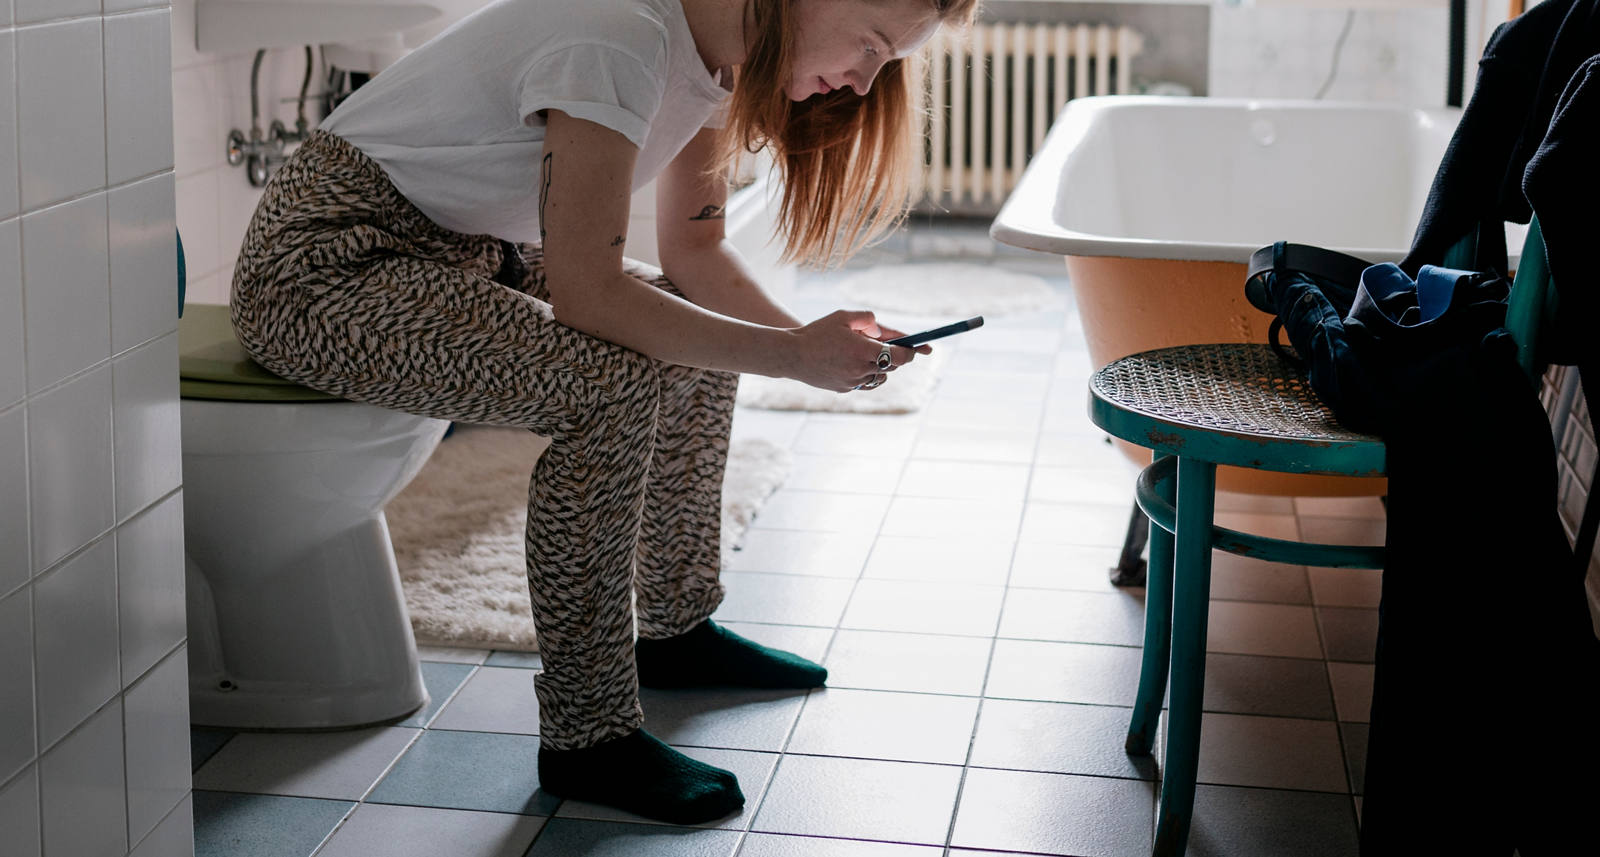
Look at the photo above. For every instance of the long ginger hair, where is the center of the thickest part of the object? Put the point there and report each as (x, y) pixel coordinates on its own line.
(845, 160)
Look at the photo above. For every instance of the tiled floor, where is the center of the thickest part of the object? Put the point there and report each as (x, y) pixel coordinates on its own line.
(949, 569)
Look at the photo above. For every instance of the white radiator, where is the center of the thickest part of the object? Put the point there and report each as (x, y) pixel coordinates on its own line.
(990, 95)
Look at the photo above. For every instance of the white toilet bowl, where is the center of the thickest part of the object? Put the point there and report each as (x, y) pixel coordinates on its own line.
(296, 616)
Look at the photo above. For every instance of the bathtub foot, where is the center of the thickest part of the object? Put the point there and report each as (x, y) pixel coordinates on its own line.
(1130, 567)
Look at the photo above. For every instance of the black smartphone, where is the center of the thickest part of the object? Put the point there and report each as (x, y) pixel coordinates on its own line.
(916, 339)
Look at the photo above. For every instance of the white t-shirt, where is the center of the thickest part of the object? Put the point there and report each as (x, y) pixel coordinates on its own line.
(455, 122)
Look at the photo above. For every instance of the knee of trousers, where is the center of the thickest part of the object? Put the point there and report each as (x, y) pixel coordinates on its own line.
(631, 391)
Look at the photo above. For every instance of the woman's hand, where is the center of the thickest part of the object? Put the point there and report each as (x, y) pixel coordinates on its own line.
(839, 351)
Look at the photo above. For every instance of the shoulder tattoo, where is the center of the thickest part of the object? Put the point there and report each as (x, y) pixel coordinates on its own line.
(544, 191)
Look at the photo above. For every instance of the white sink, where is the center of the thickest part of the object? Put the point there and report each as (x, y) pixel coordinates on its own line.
(229, 26)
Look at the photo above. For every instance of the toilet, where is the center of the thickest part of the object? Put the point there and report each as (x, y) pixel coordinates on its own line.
(296, 616)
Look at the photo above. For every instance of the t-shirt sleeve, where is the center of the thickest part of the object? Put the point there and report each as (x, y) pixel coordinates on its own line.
(601, 84)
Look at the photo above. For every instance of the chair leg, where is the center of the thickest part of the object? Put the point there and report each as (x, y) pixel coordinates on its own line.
(1191, 601)
(1157, 634)
(1130, 567)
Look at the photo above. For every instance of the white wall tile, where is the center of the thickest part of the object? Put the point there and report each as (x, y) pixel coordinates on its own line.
(174, 837)
(210, 289)
(81, 789)
(150, 586)
(15, 567)
(156, 718)
(60, 110)
(126, 5)
(143, 261)
(17, 747)
(66, 289)
(19, 814)
(69, 466)
(183, 31)
(138, 61)
(5, 11)
(13, 377)
(146, 425)
(31, 11)
(8, 126)
(237, 202)
(197, 221)
(198, 134)
(75, 640)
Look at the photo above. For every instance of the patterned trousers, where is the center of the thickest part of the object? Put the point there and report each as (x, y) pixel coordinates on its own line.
(344, 286)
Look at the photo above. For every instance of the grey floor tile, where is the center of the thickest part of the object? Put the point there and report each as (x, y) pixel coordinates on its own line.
(808, 643)
(1240, 578)
(779, 428)
(1054, 814)
(1354, 736)
(1235, 822)
(729, 718)
(452, 654)
(821, 511)
(1346, 587)
(415, 831)
(1088, 451)
(964, 480)
(1074, 524)
(902, 727)
(1245, 628)
(961, 609)
(1055, 737)
(886, 436)
(249, 825)
(1113, 486)
(468, 770)
(1113, 618)
(1064, 672)
(204, 742)
(494, 699)
(442, 680)
(753, 770)
(847, 474)
(567, 837)
(934, 517)
(784, 845)
(1271, 752)
(333, 765)
(961, 443)
(1040, 565)
(519, 660)
(802, 552)
(940, 560)
(783, 599)
(1282, 687)
(964, 413)
(1256, 523)
(922, 663)
(1349, 633)
(1352, 690)
(860, 799)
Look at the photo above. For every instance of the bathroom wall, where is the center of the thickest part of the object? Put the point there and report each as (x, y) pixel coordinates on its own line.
(94, 738)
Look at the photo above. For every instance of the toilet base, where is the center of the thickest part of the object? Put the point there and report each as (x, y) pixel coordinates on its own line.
(320, 640)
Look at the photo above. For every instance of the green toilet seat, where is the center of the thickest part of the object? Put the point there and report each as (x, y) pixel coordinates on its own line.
(213, 365)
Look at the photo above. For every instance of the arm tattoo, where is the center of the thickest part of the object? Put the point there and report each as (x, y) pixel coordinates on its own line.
(710, 212)
(617, 241)
(544, 192)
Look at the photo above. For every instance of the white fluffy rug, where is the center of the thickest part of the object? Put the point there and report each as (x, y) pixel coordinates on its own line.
(907, 390)
(959, 290)
(458, 532)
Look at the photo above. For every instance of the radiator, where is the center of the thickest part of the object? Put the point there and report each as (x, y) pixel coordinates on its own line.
(989, 96)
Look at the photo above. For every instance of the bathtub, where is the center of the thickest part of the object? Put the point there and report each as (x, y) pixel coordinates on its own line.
(1156, 204)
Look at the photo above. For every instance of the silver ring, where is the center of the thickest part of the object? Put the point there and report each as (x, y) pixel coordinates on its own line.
(876, 382)
(885, 359)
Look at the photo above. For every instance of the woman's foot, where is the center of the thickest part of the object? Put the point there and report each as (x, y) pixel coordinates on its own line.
(641, 775)
(709, 655)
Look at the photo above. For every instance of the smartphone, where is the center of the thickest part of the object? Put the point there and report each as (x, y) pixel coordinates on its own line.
(916, 339)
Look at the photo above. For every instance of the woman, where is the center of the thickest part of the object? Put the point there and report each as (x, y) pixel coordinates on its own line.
(450, 243)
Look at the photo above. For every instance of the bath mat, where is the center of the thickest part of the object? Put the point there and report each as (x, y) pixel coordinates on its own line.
(908, 389)
(458, 532)
(958, 290)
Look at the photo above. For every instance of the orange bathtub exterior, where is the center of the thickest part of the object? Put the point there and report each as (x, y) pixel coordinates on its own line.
(1132, 305)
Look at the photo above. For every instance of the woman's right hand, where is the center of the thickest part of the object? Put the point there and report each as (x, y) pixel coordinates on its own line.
(839, 351)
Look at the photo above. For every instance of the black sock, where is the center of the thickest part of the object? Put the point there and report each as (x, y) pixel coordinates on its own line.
(708, 655)
(641, 775)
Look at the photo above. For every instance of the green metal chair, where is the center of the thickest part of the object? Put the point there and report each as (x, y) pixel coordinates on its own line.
(1198, 406)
